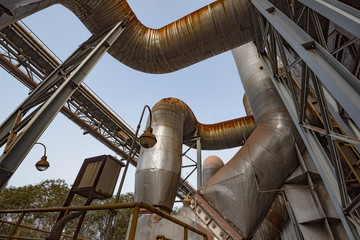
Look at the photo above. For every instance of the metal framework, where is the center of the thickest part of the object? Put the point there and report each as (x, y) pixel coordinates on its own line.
(133, 224)
(28, 59)
(311, 49)
(308, 72)
(47, 99)
(29, 62)
(197, 164)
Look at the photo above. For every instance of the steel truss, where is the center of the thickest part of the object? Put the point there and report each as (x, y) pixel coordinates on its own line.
(185, 188)
(309, 70)
(28, 61)
(25, 125)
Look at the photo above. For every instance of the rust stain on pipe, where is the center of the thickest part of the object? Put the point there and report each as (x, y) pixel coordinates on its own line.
(211, 30)
(222, 135)
(228, 134)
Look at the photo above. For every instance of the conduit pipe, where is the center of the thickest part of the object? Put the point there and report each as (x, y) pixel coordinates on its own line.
(158, 170)
(211, 30)
(265, 160)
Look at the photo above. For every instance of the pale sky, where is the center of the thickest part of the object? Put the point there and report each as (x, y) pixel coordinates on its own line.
(211, 88)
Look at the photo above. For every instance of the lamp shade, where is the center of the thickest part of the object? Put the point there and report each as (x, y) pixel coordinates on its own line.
(147, 139)
(42, 164)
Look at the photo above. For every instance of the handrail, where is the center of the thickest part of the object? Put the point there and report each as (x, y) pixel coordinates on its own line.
(35, 229)
(135, 205)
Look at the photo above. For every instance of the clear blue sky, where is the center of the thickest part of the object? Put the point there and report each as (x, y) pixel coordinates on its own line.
(211, 88)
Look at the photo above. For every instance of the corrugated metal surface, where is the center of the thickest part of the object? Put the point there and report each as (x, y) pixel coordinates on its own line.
(211, 30)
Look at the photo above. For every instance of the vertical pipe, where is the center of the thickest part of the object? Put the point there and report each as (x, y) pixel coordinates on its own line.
(198, 163)
(267, 158)
(186, 233)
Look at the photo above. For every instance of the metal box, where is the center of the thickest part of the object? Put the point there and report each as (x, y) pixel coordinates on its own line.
(97, 177)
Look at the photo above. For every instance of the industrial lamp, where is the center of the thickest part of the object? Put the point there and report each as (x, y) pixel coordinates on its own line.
(147, 139)
(42, 164)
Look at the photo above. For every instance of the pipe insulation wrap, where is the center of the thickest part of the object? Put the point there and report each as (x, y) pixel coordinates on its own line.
(159, 167)
(211, 30)
(265, 160)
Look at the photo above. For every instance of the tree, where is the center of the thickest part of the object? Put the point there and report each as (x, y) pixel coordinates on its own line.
(52, 193)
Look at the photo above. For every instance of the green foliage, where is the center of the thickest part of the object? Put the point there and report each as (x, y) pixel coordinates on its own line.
(52, 193)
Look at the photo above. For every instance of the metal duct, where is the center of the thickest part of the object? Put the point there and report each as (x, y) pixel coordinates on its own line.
(265, 160)
(274, 222)
(211, 30)
(159, 167)
(211, 165)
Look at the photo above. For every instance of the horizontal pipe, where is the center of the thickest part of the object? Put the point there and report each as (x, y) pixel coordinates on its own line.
(211, 30)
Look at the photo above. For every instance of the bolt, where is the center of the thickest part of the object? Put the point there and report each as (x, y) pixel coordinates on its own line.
(261, 67)
(221, 234)
(213, 225)
(206, 218)
(199, 211)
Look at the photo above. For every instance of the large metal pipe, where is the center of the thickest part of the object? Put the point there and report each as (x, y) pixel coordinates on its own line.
(265, 160)
(158, 170)
(211, 30)
(211, 165)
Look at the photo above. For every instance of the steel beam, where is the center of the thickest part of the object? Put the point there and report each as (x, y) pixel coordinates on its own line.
(343, 15)
(198, 163)
(341, 84)
(10, 161)
(317, 153)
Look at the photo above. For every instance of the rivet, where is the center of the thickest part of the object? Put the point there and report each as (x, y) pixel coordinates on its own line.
(213, 225)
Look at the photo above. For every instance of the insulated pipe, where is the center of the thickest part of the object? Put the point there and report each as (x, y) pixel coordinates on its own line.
(211, 30)
(265, 160)
(211, 165)
(158, 170)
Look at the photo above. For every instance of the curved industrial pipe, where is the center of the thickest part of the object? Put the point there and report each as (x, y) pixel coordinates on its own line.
(265, 160)
(158, 170)
(211, 30)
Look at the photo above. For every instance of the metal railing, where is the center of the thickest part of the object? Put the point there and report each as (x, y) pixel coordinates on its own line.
(133, 224)
(22, 226)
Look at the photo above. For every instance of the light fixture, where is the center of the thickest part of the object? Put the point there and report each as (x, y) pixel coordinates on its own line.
(42, 164)
(147, 139)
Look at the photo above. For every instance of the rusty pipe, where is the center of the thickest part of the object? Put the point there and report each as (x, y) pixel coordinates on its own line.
(211, 30)
(159, 167)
